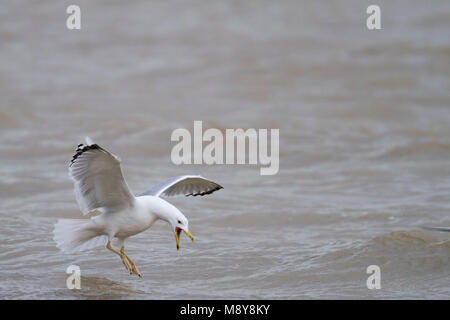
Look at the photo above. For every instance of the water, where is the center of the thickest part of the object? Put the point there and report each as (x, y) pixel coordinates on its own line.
(364, 125)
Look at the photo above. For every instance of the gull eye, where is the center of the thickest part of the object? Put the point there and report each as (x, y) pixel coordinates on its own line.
(179, 221)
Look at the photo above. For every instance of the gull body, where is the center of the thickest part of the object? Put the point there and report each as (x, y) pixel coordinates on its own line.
(131, 221)
(99, 185)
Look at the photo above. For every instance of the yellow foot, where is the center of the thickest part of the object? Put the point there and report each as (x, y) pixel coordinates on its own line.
(129, 265)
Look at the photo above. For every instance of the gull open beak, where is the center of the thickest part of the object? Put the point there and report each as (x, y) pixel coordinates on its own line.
(189, 235)
(177, 236)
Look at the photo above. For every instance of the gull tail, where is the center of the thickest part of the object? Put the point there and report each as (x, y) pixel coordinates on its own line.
(437, 229)
(73, 235)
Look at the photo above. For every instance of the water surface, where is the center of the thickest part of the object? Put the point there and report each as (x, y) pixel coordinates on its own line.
(364, 125)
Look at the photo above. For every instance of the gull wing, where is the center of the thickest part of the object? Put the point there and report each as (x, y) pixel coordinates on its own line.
(189, 185)
(98, 179)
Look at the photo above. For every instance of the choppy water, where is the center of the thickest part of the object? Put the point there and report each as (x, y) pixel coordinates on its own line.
(364, 125)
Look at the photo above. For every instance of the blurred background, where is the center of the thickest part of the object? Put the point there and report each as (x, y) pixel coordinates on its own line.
(364, 125)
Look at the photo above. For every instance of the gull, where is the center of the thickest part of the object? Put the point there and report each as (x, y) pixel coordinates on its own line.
(99, 185)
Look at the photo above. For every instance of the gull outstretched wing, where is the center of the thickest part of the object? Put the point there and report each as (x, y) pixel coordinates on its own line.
(189, 185)
(98, 179)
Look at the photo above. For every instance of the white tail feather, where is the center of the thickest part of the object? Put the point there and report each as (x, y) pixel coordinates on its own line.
(73, 235)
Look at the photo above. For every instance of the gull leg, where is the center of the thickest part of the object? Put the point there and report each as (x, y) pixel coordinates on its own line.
(133, 269)
(129, 265)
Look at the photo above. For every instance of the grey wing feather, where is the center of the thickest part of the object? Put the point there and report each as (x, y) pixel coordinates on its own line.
(98, 179)
(189, 185)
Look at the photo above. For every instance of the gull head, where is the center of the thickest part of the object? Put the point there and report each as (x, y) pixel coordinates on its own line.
(179, 224)
(169, 213)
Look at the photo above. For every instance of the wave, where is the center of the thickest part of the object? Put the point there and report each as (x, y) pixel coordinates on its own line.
(416, 252)
(428, 150)
(259, 219)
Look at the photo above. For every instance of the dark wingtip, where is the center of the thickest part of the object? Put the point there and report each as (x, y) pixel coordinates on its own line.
(81, 148)
(218, 187)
